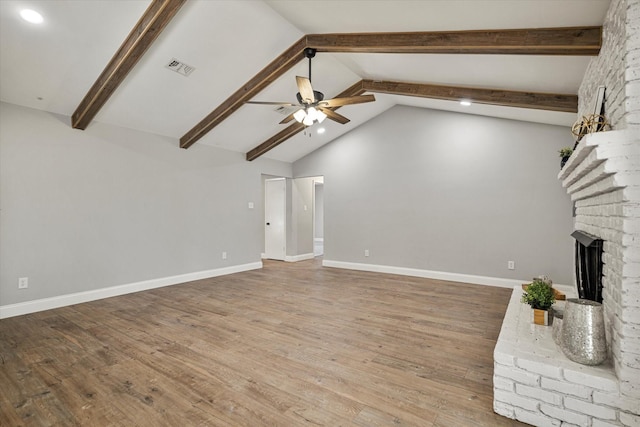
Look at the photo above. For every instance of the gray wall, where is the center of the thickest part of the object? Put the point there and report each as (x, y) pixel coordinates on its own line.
(83, 210)
(447, 192)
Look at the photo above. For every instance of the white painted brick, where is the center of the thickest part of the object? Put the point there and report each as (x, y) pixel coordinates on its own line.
(631, 225)
(630, 284)
(566, 388)
(503, 384)
(633, 89)
(616, 401)
(600, 423)
(535, 418)
(628, 329)
(564, 415)
(631, 254)
(631, 269)
(630, 389)
(595, 382)
(630, 315)
(517, 375)
(539, 394)
(545, 369)
(632, 74)
(631, 345)
(504, 359)
(588, 408)
(503, 409)
(630, 420)
(515, 400)
(631, 287)
(565, 424)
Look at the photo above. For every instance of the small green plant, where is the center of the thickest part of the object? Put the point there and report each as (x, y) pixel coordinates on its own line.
(539, 295)
(565, 152)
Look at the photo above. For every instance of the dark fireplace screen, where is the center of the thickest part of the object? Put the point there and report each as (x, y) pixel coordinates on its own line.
(588, 266)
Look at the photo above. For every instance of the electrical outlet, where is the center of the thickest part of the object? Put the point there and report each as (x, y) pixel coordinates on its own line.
(23, 283)
(250, 205)
(511, 265)
(224, 255)
(366, 252)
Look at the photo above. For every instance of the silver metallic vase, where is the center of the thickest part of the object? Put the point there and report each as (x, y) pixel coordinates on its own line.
(583, 337)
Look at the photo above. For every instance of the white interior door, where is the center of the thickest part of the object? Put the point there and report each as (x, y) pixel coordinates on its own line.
(274, 214)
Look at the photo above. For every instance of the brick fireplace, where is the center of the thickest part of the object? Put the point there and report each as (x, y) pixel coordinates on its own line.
(533, 381)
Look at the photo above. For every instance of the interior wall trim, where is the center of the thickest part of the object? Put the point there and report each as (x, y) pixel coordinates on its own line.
(42, 304)
(296, 258)
(427, 274)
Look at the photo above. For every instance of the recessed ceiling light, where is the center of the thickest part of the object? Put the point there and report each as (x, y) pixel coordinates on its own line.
(31, 16)
(321, 130)
(465, 102)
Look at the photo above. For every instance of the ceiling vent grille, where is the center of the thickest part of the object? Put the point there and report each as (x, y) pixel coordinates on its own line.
(285, 110)
(180, 67)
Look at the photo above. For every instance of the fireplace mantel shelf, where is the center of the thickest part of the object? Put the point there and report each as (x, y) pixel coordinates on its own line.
(598, 165)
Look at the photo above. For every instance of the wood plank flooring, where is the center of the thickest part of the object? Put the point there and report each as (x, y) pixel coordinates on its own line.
(293, 344)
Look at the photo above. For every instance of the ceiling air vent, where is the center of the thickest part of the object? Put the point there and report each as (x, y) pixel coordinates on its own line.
(285, 110)
(180, 67)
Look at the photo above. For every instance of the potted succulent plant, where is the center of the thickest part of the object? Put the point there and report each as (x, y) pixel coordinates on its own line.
(540, 296)
(565, 153)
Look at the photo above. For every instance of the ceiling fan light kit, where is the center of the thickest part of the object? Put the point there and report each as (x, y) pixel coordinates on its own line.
(313, 107)
(309, 116)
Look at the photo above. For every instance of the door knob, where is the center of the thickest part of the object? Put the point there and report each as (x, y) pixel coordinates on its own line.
(268, 223)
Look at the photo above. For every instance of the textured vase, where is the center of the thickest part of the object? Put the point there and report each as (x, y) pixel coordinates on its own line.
(556, 332)
(583, 337)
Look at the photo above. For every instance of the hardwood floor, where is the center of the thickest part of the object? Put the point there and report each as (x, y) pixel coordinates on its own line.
(292, 344)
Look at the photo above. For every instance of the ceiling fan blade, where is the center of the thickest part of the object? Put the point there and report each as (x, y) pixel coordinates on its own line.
(287, 119)
(334, 116)
(339, 102)
(271, 103)
(305, 89)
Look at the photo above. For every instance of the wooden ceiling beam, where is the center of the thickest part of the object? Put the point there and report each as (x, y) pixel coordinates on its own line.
(144, 33)
(526, 41)
(283, 63)
(271, 143)
(532, 41)
(508, 98)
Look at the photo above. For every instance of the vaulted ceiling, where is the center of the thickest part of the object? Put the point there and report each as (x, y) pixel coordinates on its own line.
(251, 50)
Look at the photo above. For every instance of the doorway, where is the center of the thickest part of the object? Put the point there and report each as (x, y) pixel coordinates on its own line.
(275, 218)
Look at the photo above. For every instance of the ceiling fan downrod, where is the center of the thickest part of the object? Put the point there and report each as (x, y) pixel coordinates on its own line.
(309, 52)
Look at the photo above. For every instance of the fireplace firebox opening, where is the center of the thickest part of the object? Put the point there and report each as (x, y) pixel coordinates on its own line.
(588, 265)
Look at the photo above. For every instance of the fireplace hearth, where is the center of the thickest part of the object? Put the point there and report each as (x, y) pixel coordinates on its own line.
(534, 381)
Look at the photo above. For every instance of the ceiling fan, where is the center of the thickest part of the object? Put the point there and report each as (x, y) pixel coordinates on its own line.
(313, 108)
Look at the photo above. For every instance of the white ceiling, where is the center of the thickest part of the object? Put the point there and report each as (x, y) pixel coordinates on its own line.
(52, 66)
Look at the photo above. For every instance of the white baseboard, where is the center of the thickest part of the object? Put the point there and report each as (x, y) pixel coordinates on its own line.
(296, 258)
(33, 306)
(428, 274)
